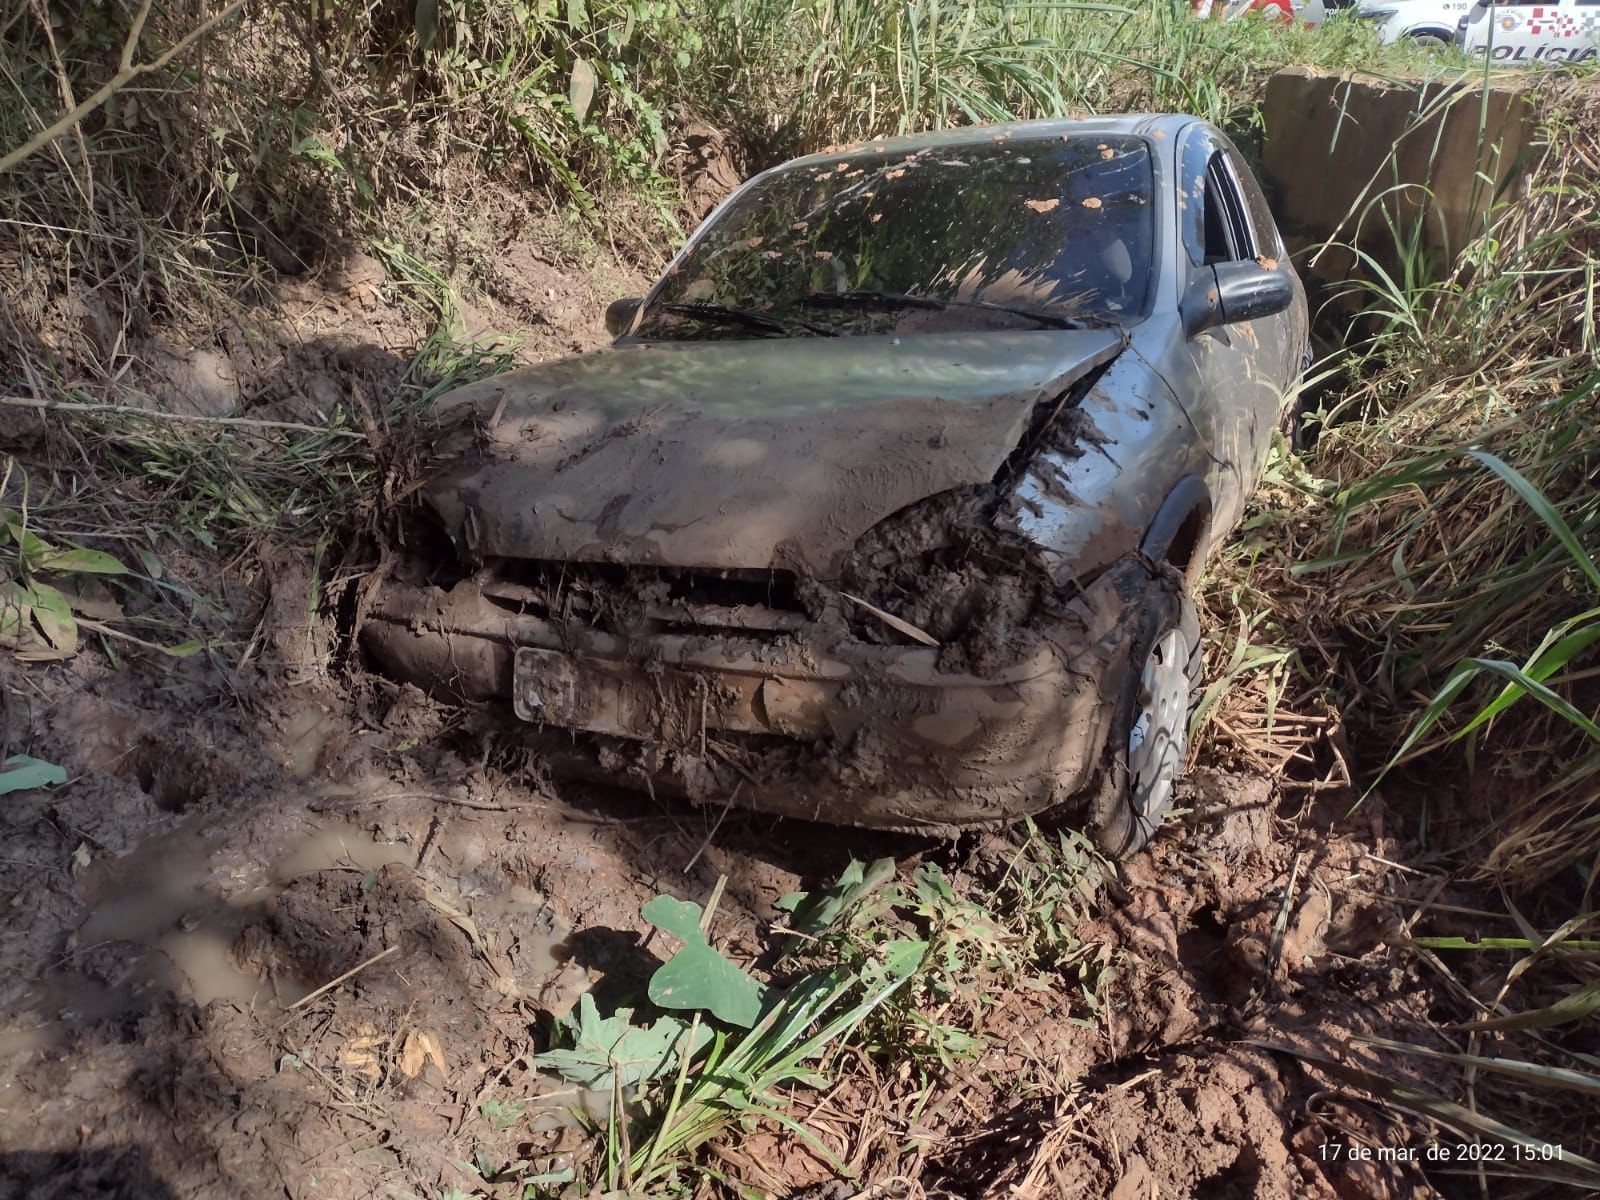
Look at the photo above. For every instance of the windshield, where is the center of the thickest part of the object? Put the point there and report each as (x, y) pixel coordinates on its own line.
(1003, 234)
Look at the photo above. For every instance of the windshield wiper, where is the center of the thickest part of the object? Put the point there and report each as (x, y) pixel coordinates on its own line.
(723, 315)
(866, 299)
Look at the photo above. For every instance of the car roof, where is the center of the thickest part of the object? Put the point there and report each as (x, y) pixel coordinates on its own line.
(1157, 125)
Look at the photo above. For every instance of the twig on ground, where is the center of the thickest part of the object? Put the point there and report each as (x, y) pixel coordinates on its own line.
(337, 980)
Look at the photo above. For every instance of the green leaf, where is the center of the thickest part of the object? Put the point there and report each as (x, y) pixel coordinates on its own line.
(427, 22)
(1454, 1116)
(79, 561)
(1495, 943)
(814, 912)
(182, 649)
(1576, 1007)
(150, 561)
(53, 615)
(697, 976)
(580, 88)
(1536, 1074)
(610, 1051)
(1559, 648)
(548, 1179)
(1544, 510)
(32, 547)
(16, 612)
(1551, 700)
(902, 957)
(22, 773)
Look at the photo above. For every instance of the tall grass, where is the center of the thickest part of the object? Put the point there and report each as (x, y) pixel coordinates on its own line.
(857, 69)
(1460, 517)
(1431, 566)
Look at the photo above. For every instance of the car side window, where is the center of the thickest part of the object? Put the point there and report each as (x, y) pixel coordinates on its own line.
(1229, 237)
(1192, 164)
(1214, 214)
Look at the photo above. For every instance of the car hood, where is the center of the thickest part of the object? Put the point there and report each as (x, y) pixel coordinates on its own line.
(771, 453)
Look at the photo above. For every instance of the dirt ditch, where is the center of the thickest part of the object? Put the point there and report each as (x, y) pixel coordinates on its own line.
(287, 932)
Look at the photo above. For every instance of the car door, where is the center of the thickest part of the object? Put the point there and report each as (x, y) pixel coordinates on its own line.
(1244, 368)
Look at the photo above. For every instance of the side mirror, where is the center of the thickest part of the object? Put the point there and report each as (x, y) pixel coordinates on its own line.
(1234, 291)
(620, 314)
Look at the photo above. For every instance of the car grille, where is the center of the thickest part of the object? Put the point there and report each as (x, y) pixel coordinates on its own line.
(631, 601)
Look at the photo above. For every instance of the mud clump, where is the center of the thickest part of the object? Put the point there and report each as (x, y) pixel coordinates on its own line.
(983, 595)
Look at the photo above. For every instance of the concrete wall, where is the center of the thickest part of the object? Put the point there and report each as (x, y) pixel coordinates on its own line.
(1334, 143)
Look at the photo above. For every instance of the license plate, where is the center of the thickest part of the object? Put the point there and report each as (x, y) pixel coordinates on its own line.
(550, 687)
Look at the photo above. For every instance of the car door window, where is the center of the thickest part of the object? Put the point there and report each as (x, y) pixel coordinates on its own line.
(1215, 216)
(1229, 236)
(1263, 227)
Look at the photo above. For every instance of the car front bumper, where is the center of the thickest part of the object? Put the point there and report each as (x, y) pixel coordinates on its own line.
(826, 729)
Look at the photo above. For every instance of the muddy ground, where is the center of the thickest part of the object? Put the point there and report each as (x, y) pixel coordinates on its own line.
(228, 845)
(246, 826)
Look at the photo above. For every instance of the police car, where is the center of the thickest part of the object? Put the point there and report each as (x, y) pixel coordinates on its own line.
(1552, 31)
(1426, 22)
(1507, 31)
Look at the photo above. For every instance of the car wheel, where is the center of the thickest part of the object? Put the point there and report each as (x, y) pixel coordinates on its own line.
(1149, 739)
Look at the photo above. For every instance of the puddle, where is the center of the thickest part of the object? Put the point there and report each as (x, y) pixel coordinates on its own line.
(171, 895)
(61, 999)
(305, 736)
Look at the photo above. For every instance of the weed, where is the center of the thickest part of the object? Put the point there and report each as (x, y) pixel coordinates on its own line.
(894, 968)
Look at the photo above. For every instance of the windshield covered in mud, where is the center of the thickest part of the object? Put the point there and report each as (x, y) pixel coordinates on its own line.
(1001, 234)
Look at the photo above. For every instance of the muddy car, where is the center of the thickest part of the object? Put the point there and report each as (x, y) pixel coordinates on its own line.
(884, 506)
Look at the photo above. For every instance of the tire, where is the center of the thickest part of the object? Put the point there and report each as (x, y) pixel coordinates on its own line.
(1149, 738)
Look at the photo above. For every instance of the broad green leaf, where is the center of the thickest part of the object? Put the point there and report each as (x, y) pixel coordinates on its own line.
(902, 957)
(697, 976)
(681, 918)
(611, 1051)
(53, 615)
(22, 773)
(427, 22)
(580, 88)
(182, 649)
(31, 546)
(79, 561)
(814, 912)
(16, 613)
